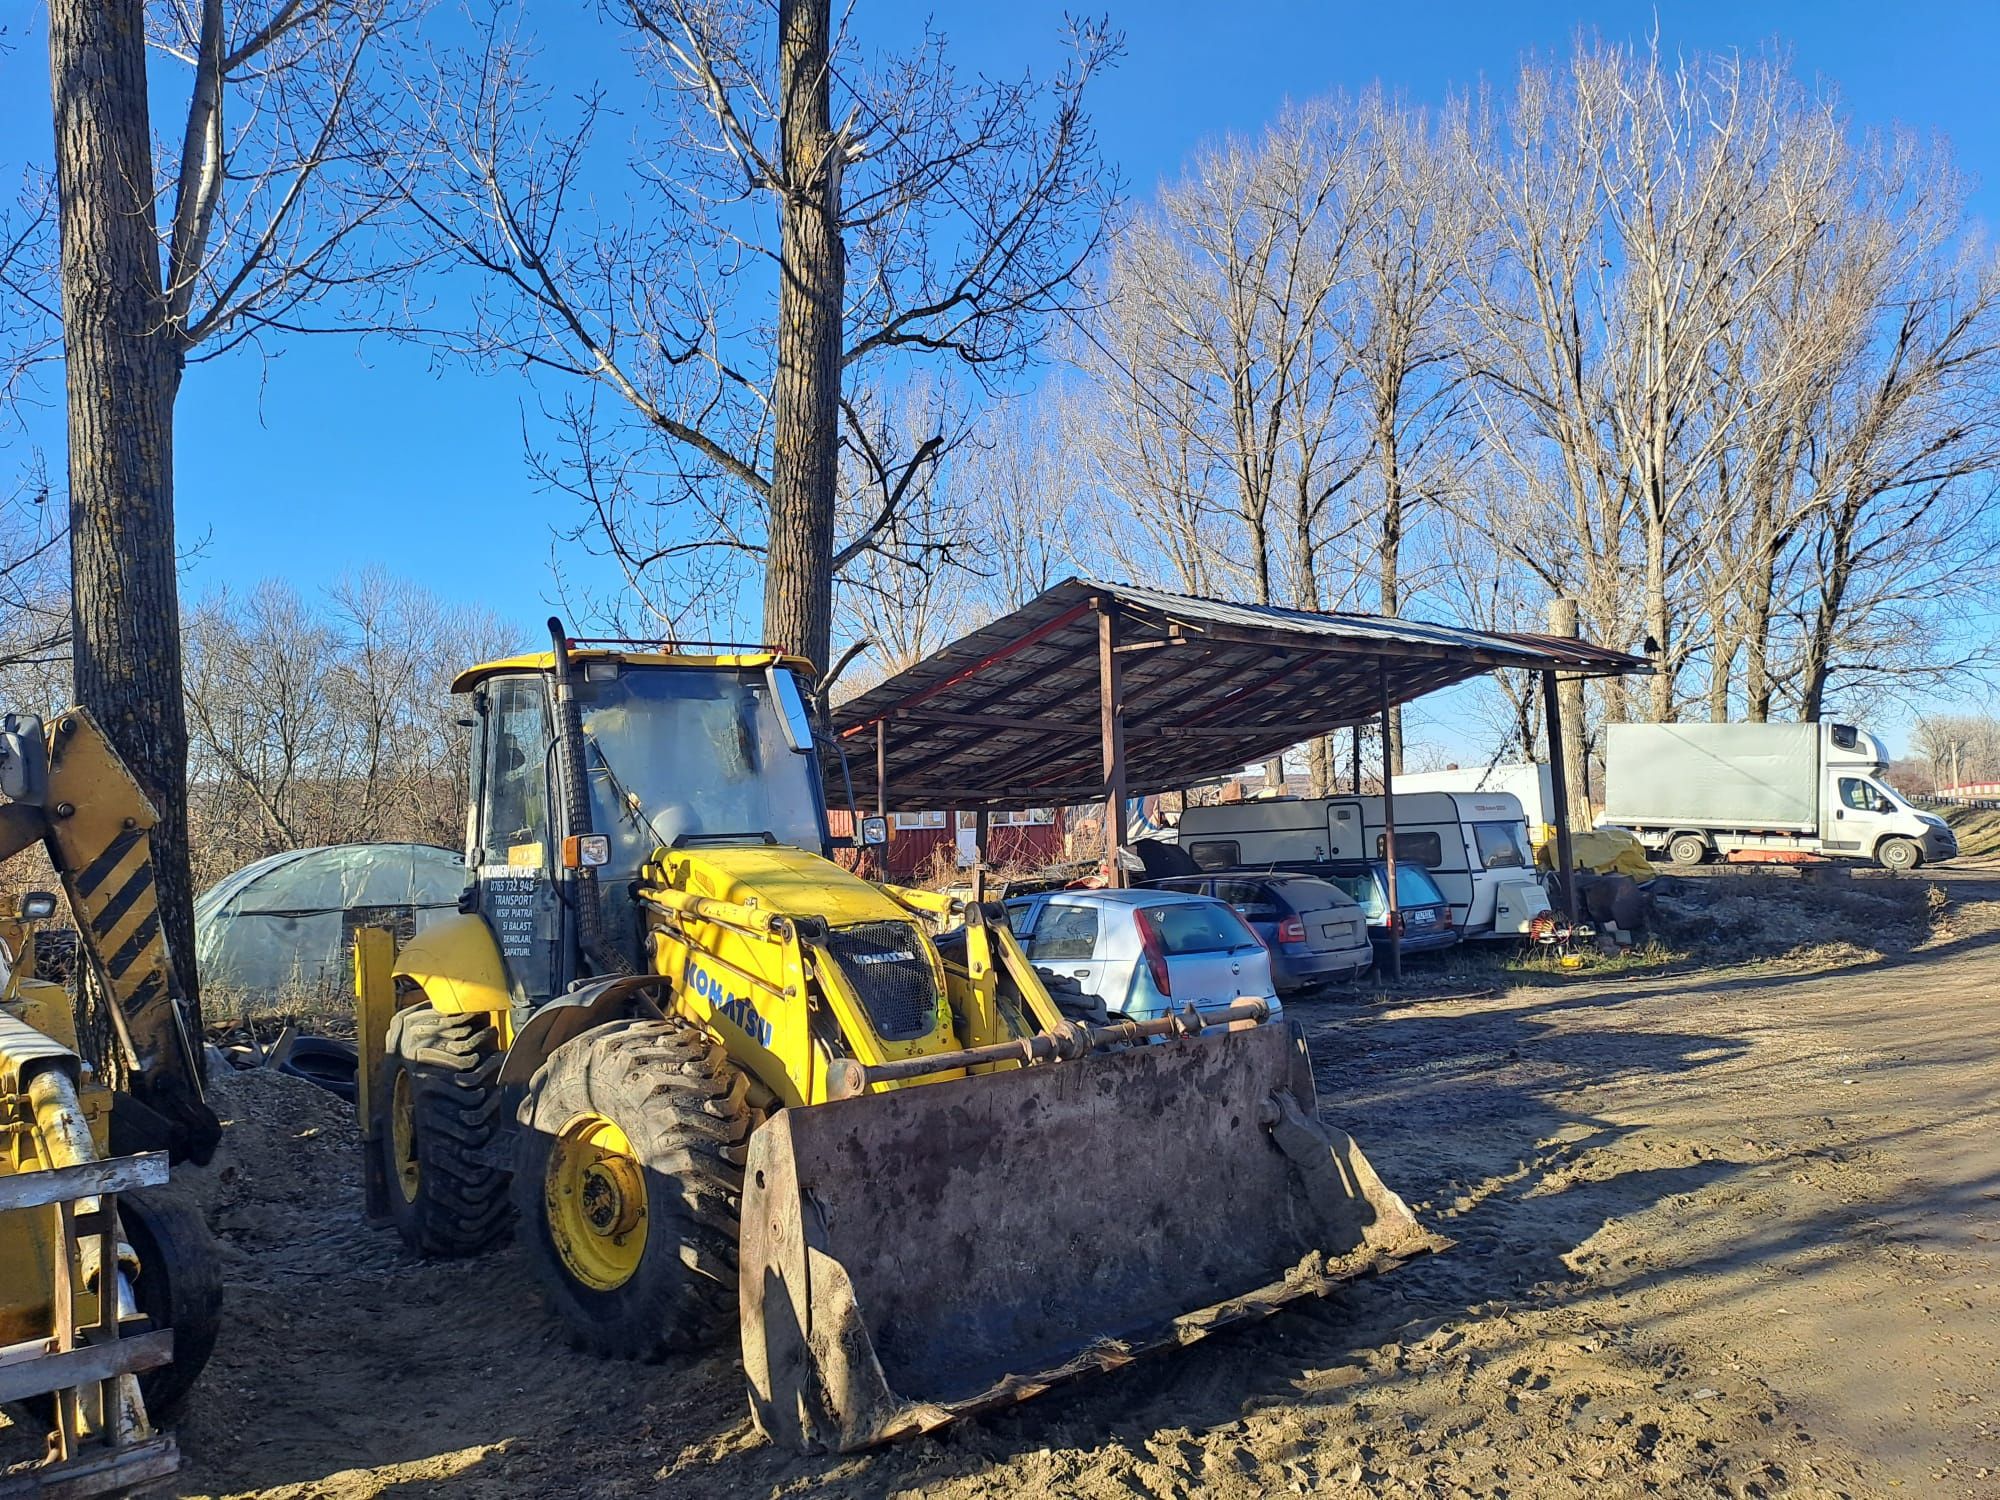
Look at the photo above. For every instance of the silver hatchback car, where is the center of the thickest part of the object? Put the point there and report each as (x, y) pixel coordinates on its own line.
(1145, 954)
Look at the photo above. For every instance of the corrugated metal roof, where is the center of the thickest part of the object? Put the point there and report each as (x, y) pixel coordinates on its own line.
(1007, 715)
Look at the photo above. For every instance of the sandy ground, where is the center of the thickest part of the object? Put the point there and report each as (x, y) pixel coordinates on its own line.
(1724, 1234)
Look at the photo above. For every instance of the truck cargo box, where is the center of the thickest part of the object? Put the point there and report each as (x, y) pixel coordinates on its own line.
(1716, 775)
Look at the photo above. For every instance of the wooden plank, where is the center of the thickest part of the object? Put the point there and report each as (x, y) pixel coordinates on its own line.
(90, 1179)
(94, 1362)
(106, 1471)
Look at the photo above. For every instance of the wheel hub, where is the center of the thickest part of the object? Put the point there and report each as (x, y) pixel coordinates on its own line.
(595, 1198)
(403, 1137)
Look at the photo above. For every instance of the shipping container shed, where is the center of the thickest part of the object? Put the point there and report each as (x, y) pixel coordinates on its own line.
(1098, 691)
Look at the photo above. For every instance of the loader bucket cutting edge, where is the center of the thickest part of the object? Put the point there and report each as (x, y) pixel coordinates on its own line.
(917, 1255)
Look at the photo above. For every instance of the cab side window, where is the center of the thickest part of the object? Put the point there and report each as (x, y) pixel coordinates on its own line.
(1859, 795)
(515, 829)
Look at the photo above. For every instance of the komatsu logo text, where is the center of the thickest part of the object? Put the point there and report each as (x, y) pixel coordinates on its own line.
(735, 1008)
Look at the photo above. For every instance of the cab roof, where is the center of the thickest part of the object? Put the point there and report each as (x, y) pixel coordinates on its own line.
(545, 661)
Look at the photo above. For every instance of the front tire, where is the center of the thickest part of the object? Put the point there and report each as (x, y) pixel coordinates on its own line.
(628, 1179)
(1688, 849)
(439, 1114)
(1898, 854)
(179, 1287)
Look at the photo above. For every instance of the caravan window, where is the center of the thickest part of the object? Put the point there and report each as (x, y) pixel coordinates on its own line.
(1216, 854)
(1502, 846)
(1426, 849)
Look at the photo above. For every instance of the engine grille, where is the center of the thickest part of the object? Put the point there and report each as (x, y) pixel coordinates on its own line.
(886, 964)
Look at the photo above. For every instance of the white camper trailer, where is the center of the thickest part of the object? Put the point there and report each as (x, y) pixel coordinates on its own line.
(1474, 844)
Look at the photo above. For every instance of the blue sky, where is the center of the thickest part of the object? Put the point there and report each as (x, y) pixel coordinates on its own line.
(329, 457)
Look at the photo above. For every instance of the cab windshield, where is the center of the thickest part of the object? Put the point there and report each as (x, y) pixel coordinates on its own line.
(676, 751)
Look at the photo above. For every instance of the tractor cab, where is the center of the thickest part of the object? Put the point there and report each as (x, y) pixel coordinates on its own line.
(676, 750)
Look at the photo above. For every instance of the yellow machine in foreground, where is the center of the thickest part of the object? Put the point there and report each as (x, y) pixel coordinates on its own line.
(719, 1081)
(109, 1297)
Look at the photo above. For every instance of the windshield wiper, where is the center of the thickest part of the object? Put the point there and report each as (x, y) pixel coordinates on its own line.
(627, 798)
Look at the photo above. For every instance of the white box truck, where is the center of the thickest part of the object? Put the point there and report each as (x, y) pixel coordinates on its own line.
(1697, 790)
(1474, 844)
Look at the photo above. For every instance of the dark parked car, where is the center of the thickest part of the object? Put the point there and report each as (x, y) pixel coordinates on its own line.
(1426, 915)
(1316, 932)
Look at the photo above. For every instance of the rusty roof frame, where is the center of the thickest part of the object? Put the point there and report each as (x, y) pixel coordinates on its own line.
(1008, 715)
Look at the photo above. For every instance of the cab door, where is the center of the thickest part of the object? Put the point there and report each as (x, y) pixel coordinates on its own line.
(1861, 815)
(514, 861)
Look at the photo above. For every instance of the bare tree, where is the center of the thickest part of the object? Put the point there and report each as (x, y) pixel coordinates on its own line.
(328, 721)
(805, 226)
(1215, 358)
(263, 210)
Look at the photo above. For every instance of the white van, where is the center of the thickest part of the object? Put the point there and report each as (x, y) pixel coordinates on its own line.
(1474, 844)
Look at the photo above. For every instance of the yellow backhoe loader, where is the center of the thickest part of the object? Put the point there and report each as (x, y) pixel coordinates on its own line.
(109, 1295)
(718, 1082)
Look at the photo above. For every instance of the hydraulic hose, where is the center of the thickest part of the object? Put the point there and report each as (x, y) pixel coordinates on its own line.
(573, 785)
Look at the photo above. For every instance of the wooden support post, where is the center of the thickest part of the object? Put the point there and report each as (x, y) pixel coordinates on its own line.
(982, 822)
(1389, 831)
(881, 860)
(1559, 790)
(1111, 733)
(1357, 760)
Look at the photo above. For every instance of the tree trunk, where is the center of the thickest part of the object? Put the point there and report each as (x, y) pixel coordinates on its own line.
(122, 371)
(805, 396)
(1391, 566)
(1656, 619)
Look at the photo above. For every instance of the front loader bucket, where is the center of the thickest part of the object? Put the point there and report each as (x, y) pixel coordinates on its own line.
(914, 1255)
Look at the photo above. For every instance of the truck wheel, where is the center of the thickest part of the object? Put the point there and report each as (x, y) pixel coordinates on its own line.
(179, 1287)
(439, 1104)
(628, 1178)
(1898, 854)
(1688, 849)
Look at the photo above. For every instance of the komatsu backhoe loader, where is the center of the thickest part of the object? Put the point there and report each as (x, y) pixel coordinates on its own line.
(716, 1080)
(109, 1296)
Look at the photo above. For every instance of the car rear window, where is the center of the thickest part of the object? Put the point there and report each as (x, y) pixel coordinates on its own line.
(1198, 927)
(1310, 893)
(1362, 889)
(1414, 887)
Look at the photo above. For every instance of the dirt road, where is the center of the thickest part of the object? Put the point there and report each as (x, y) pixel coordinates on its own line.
(1725, 1235)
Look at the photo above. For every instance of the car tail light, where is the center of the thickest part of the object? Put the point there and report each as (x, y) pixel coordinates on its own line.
(1292, 930)
(1156, 955)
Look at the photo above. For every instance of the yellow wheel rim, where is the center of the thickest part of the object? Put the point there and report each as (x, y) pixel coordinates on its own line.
(403, 1135)
(595, 1198)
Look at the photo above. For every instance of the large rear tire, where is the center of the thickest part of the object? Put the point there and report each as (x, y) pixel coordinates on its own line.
(439, 1113)
(179, 1288)
(628, 1179)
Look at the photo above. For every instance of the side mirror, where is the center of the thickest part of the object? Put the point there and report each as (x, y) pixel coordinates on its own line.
(36, 906)
(874, 832)
(791, 709)
(24, 760)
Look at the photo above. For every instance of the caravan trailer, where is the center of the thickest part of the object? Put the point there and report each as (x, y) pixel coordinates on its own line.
(1474, 844)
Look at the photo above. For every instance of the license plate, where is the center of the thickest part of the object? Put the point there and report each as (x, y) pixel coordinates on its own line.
(1420, 918)
(1340, 932)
